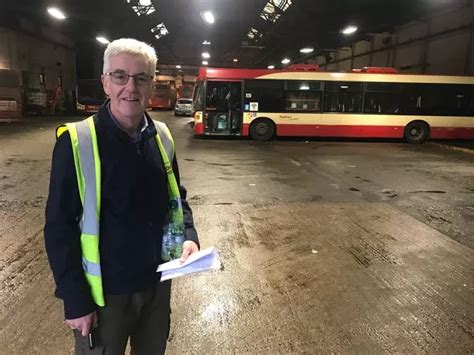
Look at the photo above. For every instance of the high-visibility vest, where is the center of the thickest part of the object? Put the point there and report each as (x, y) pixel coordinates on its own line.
(88, 172)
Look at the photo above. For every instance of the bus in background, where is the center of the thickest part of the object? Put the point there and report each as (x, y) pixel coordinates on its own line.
(302, 101)
(89, 95)
(185, 91)
(164, 96)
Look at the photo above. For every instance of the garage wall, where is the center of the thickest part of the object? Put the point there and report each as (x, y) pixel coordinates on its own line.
(33, 55)
(440, 44)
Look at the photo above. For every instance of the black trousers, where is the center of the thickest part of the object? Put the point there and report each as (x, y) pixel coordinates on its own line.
(144, 317)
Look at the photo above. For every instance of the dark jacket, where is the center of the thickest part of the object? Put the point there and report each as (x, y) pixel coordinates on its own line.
(134, 202)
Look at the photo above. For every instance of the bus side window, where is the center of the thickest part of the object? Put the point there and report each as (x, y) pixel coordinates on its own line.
(303, 96)
(345, 97)
(268, 93)
(382, 98)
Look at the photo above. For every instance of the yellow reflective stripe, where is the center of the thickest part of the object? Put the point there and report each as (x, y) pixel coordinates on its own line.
(172, 183)
(97, 166)
(168, 133)
(60, 130)
(77, 160)
(95, 282)
(90, 247)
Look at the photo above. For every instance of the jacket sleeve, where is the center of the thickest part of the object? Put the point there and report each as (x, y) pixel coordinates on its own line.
(62, 233)
(190, 232)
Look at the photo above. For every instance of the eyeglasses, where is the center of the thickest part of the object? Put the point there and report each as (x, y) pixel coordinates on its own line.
(120, 78)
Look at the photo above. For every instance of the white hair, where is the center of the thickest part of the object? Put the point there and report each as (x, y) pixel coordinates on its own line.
(130, 46)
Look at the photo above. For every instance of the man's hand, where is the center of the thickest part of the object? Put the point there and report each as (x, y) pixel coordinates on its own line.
(189, 247)
(84, 324)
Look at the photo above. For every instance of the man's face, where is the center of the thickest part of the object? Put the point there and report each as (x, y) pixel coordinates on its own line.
(128, 101)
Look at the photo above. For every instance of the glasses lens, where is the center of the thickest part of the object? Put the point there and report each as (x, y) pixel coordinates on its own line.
(142, 79)
(119, 78)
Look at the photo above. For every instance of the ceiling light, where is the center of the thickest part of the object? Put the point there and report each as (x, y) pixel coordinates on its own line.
(254, 34)
(304, 87)
(102, 40)
(159, 30)
(56, 13)
(344, 86)
(285, 61)
(204, 62)
(235, 60)
(206, 43)
(178, 66)
(271, 67)
(306, 50)
(349, 30)
(206, 55)
(208, 16)
(274, 9)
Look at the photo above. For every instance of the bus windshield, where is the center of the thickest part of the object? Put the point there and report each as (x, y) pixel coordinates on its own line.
(90, 92)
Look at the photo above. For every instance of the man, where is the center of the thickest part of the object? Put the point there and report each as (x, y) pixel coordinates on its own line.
(113, 180)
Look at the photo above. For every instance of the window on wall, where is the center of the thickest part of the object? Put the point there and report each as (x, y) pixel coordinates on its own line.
(268, 94)
(301, 96)
(383, 98)
(345, 97)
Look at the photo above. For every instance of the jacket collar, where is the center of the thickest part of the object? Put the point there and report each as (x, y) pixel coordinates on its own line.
(106, 120)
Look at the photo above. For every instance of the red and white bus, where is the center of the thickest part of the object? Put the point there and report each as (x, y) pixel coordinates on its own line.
(164, 96)
(89, 95)
(302, 101)
(185, 91)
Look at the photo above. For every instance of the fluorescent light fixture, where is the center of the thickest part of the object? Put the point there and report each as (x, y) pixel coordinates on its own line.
(235, 60)
(349, 30)
(274, 8)
(271, 67)
(206, 55)
(344, 86)
(306, 50)
(159, 30)
(205, 62)
(102, 40)
(255, 34)
(285, 61)
(206, 43)
(178, 66)
(208, 16)
(304, 87)
(56, 13)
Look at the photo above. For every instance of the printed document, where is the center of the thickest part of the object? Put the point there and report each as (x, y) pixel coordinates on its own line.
(204, 260)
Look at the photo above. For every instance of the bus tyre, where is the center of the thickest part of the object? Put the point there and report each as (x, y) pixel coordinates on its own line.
(417, 132)
(262, 129)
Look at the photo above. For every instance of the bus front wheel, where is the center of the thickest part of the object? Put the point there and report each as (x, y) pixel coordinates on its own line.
(262, 129)
(417, 132)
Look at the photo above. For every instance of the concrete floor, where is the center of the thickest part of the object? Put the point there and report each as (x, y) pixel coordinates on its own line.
(328, 246)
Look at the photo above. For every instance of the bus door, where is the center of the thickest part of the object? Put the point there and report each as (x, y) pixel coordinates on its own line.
(223, 111)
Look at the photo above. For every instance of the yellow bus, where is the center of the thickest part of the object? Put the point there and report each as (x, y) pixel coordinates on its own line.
(303, 101)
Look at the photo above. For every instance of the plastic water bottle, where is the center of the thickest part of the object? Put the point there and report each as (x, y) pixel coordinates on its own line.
(172, 244)
(167, 244)
(178, 245)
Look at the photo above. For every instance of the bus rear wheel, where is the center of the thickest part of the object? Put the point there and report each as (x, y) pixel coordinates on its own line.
(262, 129)
(417, 132)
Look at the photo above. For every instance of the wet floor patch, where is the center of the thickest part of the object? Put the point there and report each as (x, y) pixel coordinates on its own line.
(341, 271)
